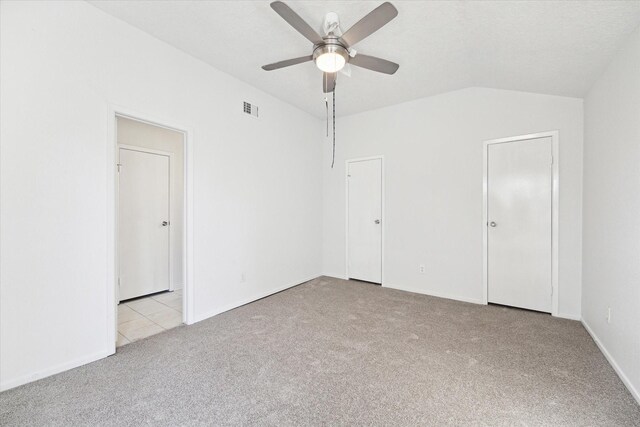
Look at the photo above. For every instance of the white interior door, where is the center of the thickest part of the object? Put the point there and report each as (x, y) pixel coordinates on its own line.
(365, 220)
(143, 223)
(519, 186)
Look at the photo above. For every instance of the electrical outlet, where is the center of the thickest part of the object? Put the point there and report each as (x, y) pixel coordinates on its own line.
(421, 269)
(242, 278)
(608, 314)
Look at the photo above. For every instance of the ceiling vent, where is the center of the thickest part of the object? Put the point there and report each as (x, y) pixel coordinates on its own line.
(250, 109)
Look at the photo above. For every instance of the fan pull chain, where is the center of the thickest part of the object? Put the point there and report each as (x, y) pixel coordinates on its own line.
(333, 160)
(326, 108)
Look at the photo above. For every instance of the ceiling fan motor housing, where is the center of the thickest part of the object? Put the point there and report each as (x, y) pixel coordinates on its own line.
(331, 44)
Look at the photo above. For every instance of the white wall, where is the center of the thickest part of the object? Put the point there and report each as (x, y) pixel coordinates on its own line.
(433, 166)
(144, 135)
(611, 233)
(256, 182)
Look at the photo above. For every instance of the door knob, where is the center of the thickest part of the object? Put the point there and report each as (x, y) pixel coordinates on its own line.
(377, 221)
(165, 223)
(492, 224)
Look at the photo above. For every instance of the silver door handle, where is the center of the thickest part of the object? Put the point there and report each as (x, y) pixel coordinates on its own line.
(165, 223)
(492, 224)
(377, 221)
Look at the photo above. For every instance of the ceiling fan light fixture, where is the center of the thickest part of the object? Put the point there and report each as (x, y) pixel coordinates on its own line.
(330, 58)
(330, 62)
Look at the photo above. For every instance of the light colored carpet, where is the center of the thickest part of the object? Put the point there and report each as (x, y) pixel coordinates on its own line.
(331, 352)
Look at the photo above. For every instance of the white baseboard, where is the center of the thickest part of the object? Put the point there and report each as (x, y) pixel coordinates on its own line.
(570, 316)
(434, 294)
(248, 300)
(336, 276)
(6, 385)
(612, 362)
(464, 299)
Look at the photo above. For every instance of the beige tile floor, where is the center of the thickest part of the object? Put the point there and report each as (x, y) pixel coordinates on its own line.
(144, 317)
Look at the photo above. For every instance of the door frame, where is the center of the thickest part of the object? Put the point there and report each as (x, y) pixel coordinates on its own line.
(115, 111)
(171, 166)
(554, 135)
(346, 186)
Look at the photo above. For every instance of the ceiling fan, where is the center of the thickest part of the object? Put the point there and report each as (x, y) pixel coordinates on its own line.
(333, 51)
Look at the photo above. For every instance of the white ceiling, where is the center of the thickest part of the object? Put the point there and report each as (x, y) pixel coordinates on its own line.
(552, 47)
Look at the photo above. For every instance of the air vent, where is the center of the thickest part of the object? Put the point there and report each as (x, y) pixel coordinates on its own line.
(250, 109)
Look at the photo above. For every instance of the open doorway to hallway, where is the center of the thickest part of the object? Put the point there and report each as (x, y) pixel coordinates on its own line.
(149, 315)
(150, 229)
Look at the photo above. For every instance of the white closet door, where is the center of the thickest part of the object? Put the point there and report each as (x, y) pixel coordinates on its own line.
(365, 220)
(143, 223)
(519, 223)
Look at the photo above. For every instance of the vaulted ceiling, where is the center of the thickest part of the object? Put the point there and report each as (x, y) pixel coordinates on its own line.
(551, 47)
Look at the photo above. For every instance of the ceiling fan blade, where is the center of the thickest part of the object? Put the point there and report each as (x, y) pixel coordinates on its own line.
(371, 23)
(296, 21)
(328, 82)
(287, 63)
(375, 64)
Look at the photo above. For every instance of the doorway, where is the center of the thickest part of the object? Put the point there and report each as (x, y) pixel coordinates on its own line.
(520, 222)
(364, 190)
(150, 232)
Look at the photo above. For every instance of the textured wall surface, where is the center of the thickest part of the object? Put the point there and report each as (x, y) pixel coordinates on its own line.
(256, 183)
(611, 236)
(433, 186)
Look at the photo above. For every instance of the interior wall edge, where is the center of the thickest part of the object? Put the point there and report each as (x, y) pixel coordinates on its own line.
(454, 92)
